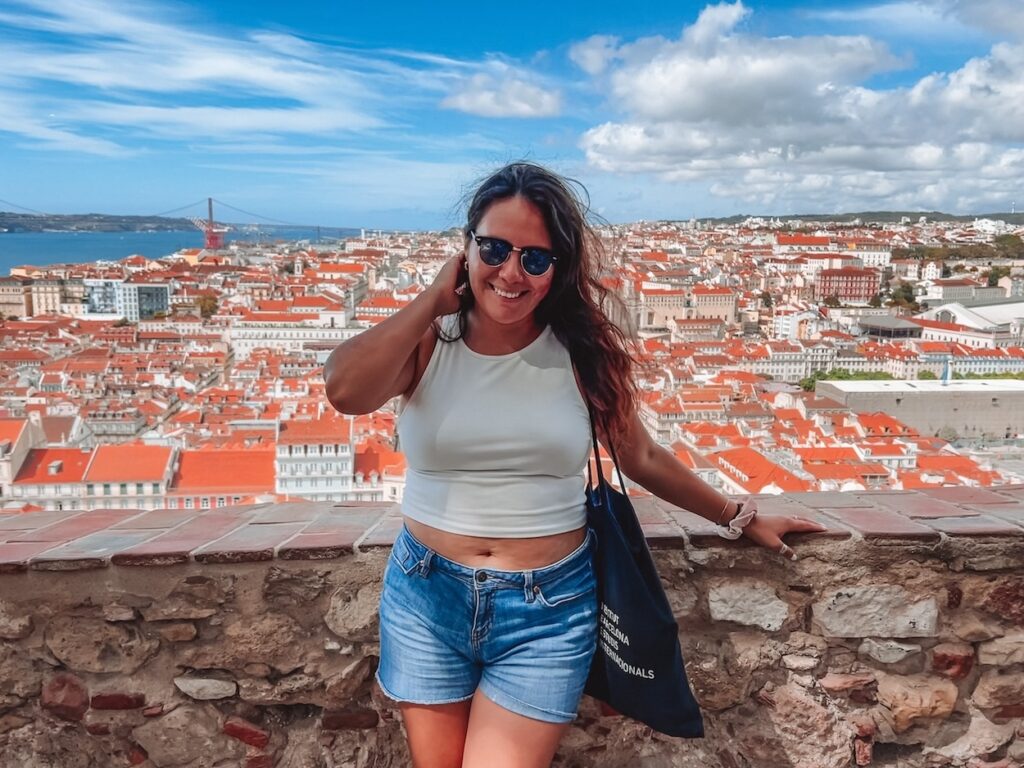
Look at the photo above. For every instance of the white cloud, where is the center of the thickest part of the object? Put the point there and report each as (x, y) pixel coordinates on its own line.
(790, 122)
(594, 54)
(503, 94)
(1003, 18)
(144, 72)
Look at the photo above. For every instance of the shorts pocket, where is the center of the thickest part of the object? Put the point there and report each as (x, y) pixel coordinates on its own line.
(403, 557)
(561, 590)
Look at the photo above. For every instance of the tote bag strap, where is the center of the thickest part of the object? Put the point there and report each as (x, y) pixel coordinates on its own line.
(597, 457)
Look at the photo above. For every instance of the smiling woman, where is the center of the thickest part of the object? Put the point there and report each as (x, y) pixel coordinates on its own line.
(489, 613)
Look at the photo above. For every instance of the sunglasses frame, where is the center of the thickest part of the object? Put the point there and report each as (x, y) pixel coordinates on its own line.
(511, 249)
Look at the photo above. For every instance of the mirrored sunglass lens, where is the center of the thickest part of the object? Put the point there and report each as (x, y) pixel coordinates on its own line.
(492, 251)
(536, 261)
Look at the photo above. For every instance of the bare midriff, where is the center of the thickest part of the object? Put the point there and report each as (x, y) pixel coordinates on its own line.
(499, 554)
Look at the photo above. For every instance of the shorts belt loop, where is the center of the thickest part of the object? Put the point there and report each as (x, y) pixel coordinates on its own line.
(528, 586)
(425, 563)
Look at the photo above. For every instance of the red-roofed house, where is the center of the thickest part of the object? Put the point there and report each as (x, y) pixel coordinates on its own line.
(217, 477)
(51, 478)
(17, 438)
(314, 458)
(379, 472)
(748, 471)
(128, 476)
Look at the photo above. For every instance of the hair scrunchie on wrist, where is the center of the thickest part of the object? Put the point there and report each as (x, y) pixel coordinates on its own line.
(746, 513)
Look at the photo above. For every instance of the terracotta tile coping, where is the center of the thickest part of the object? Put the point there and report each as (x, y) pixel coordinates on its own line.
(322, 530)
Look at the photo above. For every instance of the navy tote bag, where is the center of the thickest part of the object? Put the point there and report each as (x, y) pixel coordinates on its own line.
(638, 667)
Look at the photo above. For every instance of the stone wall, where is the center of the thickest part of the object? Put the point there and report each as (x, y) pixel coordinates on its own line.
(248, 638)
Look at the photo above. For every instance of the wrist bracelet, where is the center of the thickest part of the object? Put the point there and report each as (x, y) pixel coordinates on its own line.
(746, 513)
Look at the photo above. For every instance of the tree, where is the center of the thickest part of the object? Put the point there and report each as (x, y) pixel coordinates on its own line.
(926, 375)
(996, 274)
(207, 305)
(832, 301)
(766, 300)
(1009, 245)
(875, 301)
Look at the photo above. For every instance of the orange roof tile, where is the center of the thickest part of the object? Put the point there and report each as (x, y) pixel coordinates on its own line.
(331, 428)
(36, 468)
(234, 471)
(130, 462)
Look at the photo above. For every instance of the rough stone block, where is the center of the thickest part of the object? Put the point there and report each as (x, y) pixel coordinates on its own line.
(881, 610)
(747, 601)
(955, 660)
(887, 651)
(1002, 651)
(205, 688)
(177, 631)
(982, 738)
(15, 624)
(65, 696)
(354, 617)
(186, 735)
(997, 688)
(94, 645)
(1006, 600)
(915, 697)
(838, 683)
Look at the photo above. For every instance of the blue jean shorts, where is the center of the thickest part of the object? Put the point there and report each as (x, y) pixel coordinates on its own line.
(524, 638)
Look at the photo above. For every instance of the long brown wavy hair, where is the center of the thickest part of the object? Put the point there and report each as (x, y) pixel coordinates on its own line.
(575, 304)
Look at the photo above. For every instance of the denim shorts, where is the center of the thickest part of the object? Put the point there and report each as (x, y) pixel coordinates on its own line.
(525, 638)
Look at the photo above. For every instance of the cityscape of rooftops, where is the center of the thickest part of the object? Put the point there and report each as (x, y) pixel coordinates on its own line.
(810, 214)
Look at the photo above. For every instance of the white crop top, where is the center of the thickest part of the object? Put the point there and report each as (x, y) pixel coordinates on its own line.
(496, 445)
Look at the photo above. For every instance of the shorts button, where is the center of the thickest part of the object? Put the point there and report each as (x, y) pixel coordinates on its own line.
(481, 576)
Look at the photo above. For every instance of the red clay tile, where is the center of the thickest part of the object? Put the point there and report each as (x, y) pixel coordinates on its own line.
(981, 525)
(920, 506)
(881, 523)
(248, 543)
(964, 495)
(693, 524)
(90, 551)
(15, 557)
(649, 511)
(288, 512)
(177, 545)
(334, 519)
(830, 500)
(30, 521)
(1010, 513)
(381, 535)
(157, 518)
(1012, 492)
(77, 526)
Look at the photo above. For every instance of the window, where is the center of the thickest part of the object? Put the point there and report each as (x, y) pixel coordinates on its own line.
(156, 487)
(205, 502)
(106, 489)
(139, 489)
(123, 489)
(188, 503)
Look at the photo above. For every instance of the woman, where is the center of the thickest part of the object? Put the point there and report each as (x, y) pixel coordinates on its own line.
(488, 615)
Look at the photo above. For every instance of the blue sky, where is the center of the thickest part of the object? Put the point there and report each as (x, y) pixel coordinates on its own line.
(381, 114)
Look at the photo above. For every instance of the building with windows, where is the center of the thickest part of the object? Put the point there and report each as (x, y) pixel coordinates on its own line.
(848, 284)
(314, 458)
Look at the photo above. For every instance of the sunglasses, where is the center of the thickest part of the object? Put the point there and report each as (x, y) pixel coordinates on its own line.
(494, 251)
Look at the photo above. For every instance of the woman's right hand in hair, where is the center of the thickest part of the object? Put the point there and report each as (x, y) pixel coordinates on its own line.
(448, 286)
